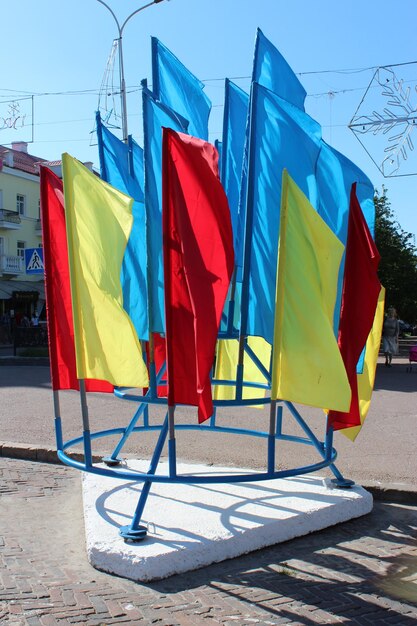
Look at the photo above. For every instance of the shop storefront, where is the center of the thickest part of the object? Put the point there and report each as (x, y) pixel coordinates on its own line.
(20, 301)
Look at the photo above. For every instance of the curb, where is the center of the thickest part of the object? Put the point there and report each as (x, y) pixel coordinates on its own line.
(399, 493)
(391, 492)
(27, 452)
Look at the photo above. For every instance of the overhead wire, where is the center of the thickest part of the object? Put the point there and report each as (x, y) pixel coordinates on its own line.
(21, 94)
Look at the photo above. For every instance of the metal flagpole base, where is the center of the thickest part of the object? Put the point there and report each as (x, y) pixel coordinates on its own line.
(133, 534)
(342, 483)
(112, 461)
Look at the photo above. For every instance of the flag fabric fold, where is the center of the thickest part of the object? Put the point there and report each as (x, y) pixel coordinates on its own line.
(272, 71)
(176, 87)
(121, 166)
(361, 288)
(306, 365)
(198, 263)
(335, 176)
(98, 222)
(366, 378)
(281, 136)
(57, 289)
(234, 124)
(155, 116)
(236, 103)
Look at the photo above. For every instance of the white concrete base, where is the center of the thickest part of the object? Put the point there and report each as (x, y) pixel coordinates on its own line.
(191, 526)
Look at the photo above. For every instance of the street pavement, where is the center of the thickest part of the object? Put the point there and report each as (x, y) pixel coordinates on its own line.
(360, 572)
(384, 452)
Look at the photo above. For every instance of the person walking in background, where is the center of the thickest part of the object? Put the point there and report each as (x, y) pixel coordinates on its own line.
(390, 333)
(25, 321)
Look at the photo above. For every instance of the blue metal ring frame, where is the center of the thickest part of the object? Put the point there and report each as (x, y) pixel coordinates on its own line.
(142, 476)
(136, 532)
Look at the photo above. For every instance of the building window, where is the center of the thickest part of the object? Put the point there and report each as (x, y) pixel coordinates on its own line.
(21, 249)
(21, 204)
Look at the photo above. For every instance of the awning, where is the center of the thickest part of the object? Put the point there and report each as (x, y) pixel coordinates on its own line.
(7, 287)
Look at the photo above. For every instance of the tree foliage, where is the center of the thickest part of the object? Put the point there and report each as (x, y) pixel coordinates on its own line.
(398, 266)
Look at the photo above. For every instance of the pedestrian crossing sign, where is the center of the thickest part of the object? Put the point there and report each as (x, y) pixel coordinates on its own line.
(34, 261)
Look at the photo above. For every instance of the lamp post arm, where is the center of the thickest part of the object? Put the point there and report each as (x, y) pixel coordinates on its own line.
(114, 17)
(122, 74)
(134, 13)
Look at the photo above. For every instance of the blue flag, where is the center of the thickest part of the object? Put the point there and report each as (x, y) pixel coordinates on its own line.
(234, 127)
(136, 166)
(156, 116)
(335, 176)
(122, 166)
(272, 71)
(281, 136)
(176, 87)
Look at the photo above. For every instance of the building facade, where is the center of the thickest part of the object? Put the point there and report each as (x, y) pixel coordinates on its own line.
(21, 290)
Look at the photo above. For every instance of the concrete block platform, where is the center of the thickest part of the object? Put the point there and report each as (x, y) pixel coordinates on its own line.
(192, 526)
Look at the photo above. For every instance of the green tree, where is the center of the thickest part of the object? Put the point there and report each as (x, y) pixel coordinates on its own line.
(398, 266)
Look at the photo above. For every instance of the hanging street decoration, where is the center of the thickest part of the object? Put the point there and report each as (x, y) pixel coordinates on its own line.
(385, 121)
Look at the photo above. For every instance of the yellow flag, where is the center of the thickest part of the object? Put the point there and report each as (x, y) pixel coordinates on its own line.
(366, 380)
(307, 366)
(226, 364)
(99, 220)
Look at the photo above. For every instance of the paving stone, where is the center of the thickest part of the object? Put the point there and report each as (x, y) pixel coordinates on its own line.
(360, 572)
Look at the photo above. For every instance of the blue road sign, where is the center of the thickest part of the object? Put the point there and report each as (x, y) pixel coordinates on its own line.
(34, 261)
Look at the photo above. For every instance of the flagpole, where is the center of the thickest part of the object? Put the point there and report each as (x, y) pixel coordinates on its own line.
(222, 168)
(58, 422)
(172, 456)
(86, 425)
(244, 304)
(231, 308)
(271, 437)
(151, 345)
(120, 29)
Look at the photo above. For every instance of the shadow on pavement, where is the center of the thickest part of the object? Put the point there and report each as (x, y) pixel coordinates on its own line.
(359, 568)
(396, 377)
(25, 376)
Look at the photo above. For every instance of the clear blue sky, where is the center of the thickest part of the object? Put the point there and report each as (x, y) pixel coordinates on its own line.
(52, 47)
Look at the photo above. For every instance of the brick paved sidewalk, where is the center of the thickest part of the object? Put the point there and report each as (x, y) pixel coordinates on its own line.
(360, 572)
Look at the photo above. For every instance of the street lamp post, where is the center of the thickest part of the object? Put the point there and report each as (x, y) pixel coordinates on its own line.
(120, 29)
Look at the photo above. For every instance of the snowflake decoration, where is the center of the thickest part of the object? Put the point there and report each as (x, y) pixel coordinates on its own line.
(389, 128)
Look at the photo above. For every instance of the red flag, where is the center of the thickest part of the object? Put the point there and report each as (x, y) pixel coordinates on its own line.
(159, 354)
(361, 288)
(198, 265)
(57, 288)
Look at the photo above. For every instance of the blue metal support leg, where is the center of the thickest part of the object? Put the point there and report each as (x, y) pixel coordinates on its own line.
(136, 532)
(114, 458)
(143, 408)
(339, 481)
